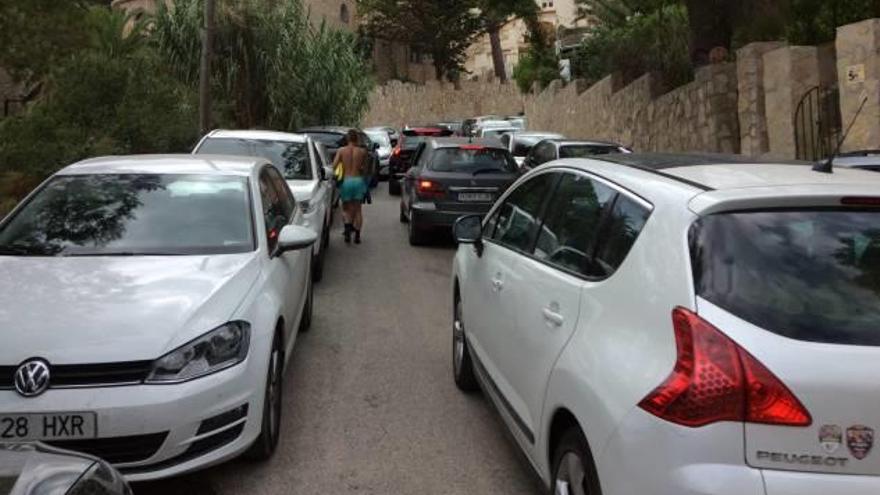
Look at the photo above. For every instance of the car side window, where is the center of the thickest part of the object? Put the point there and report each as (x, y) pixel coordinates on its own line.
(288, 202)
(541, 154)
(624, 224)
(515, 223)
(273, 209)
(571, 224)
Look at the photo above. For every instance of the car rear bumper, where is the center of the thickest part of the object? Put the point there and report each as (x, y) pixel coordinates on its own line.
(649, 455)
(427, 215)
(792, 483)
(161, 430)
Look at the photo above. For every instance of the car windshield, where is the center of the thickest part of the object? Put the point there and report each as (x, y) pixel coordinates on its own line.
(472, 159)
(586, 150)
(380, 137)
(133, 214)
(291, 159)
(810, 274)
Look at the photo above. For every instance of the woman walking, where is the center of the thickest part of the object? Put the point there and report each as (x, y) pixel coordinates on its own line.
(353, 190)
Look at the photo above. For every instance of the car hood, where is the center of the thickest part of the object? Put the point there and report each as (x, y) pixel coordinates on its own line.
(303, 190)
(114, 309)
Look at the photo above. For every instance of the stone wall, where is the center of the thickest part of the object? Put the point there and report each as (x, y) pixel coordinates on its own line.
(858, 66)
(400, 104)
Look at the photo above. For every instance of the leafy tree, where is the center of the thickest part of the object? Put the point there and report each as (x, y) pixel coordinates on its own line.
(494, 14)
(273, 68)
(444, 29)
(114, 96)
(813, 22)
(36, 33)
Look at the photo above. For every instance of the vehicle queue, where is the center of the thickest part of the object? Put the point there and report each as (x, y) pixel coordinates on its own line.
(644, 323)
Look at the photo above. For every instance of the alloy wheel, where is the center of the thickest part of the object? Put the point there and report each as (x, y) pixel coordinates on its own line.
(571, 476)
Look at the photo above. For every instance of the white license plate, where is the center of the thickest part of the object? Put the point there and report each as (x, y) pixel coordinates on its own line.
(475, 197)
(53, 426)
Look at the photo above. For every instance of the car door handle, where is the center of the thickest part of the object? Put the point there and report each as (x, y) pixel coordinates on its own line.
(497, 285)
(552, 316)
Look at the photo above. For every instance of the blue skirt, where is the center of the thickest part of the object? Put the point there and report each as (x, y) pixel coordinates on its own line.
(353, 189)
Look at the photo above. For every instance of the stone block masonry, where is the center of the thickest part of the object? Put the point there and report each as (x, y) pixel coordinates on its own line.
(858, 67)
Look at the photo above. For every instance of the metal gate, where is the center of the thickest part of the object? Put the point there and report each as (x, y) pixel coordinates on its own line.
(817, 125)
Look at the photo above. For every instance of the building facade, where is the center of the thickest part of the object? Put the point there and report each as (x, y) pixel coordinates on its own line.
(557, 17)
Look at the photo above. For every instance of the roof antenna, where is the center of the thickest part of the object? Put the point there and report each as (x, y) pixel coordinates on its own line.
(827, 167)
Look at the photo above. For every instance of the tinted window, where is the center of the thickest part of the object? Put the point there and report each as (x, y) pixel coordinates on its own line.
(516, 221)
(810, 275)
(288, 204)
(472, 159)
(624, 224)
(584, 151)
(522, 146)
(292, 159)
(133, 214)
(545, 152)
(410, 143)
(571, 224)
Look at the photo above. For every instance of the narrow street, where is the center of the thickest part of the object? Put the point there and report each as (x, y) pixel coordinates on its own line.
(370, 405)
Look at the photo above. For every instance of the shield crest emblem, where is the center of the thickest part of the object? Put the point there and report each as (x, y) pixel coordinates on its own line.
(830, 437)
(860, 440)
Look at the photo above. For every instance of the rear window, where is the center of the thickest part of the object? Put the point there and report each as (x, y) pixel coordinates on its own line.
(291, 159)
(330, 139)
(475, 159)
(584, 151)
(811, 275)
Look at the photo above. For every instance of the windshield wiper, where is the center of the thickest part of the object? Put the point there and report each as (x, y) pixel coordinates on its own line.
(21, 251)
(118, 254)
(487, 171)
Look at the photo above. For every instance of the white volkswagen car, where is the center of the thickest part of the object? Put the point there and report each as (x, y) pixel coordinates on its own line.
(148, 308)
(301, 164)
(679, 325)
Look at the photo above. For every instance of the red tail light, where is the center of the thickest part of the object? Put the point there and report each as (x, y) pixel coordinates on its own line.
(715, 379)
(430, 189)
(396, 151)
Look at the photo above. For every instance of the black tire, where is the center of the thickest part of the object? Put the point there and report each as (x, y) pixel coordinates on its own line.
(318, 263)
(270, 430)
(415, 231)
(462, 365)
(573, 454)
(394, 186)
(305, 323)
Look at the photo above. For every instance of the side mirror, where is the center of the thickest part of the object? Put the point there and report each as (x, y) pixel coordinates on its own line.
(295, 238)
(469, 230)
(327, 172)
(376, 147)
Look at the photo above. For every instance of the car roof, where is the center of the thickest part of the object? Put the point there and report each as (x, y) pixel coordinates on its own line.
(582, 142)
(330, 129)
(453, 142)
(259, 135)
(167, 164)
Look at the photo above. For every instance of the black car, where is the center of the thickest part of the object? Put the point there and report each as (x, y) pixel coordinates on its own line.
(451, 177)
(549, 150)
(335, 137)
(36, 469)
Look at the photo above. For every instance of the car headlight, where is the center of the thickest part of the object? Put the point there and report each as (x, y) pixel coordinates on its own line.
(217, 350)
(100, 479)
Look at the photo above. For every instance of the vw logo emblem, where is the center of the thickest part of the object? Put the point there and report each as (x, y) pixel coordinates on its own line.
(32, 377)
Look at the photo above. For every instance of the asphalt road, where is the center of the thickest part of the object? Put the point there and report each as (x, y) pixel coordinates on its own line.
(370, 406)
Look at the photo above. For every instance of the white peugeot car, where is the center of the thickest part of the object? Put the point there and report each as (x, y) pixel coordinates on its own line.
(148, 307)
(679, 325)
(302, 166)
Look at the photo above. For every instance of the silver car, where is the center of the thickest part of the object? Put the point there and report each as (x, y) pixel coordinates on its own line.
(381, 137)
(36, 469)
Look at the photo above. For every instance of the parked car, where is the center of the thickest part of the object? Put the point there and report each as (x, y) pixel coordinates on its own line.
(401, 157)
(36, 469)
(495, 132)
(519, 121)
(520, 143)
(866, 160)
(334, 138)
(469, 126)
(382, 138)
(299, 161)
(455, 126)
(393, 134)
(554, 149)
(452, 177)
(150, 307)
(678, 324)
